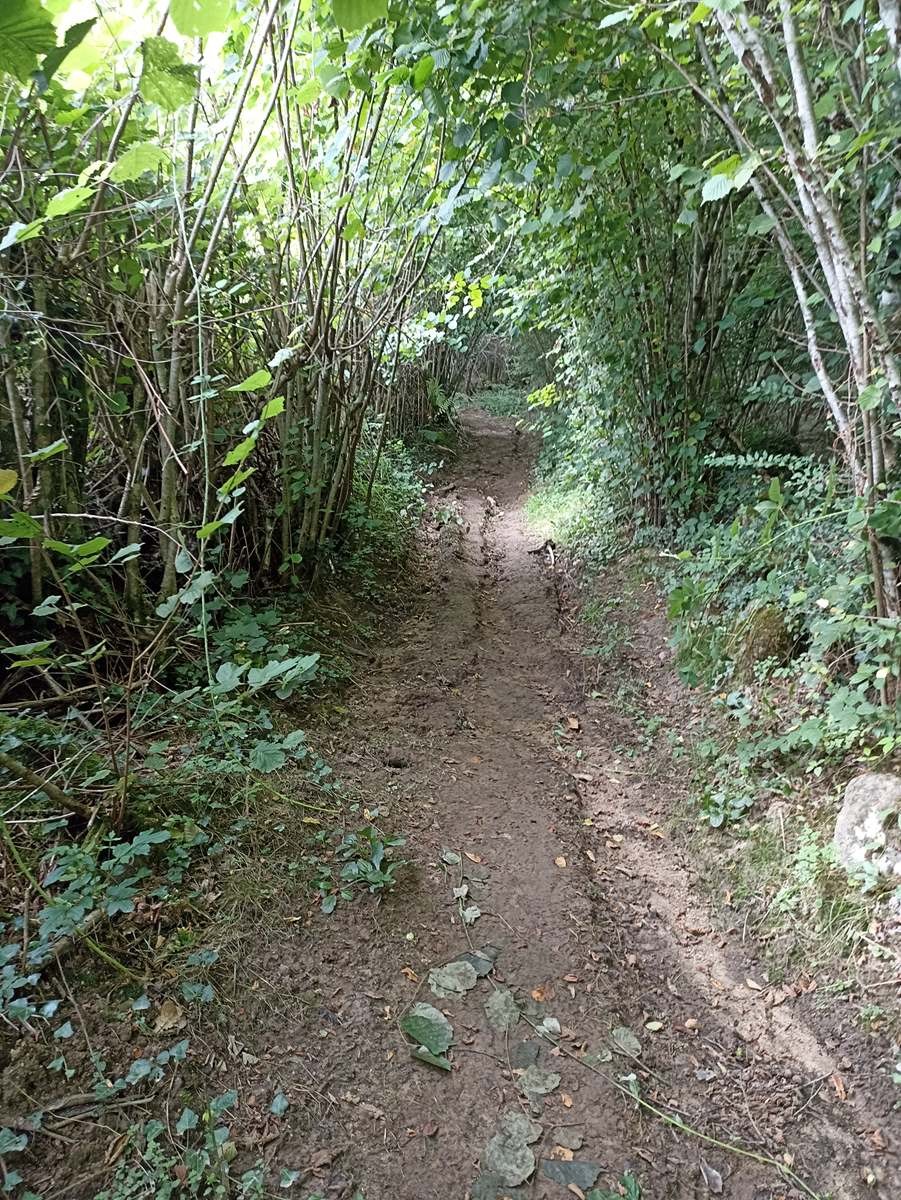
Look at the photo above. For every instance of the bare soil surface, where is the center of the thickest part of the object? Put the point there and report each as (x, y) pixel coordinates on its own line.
(475, 735)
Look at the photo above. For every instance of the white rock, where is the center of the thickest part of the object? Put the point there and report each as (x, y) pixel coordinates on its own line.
(868, 827)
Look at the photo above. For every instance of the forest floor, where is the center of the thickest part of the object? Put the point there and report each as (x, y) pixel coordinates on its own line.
(476, 733)
(525, 780)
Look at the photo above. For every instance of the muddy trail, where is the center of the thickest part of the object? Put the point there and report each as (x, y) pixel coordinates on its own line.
(474, 735)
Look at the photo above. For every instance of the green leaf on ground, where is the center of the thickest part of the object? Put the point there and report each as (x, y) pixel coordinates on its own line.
(509, 1158)
(454, 979)
(502, 1010)
(624, 1041)
(188, 1120)
(575, 1173)
(536, 1082)
(428, 1027)
(515, 1124)
(482, 960)
(426, 1056)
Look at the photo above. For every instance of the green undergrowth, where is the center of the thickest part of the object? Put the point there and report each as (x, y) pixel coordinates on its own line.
(167, 820)
(499, 399)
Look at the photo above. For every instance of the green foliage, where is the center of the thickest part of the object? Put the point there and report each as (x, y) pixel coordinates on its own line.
(364, 860)
(386, 502)
(354, 14)
(165, 79)
(499, 399)
(199, 1167)
(26, 31)
(780, 539)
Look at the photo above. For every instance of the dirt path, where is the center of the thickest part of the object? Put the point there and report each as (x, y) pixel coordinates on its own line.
(564, 846)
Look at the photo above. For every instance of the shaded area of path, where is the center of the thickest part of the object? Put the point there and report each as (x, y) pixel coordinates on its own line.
(564, 847)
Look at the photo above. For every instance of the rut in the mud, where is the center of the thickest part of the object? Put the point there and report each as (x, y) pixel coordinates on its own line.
(562, 846)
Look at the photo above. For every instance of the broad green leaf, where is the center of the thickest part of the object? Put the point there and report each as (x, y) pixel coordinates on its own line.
(435, 1060)
(94, 546)
(274, 408)
(137, 161)
(19, 232)
(188, 1120)
(197, 18)
(354, 14)
(228, 677)
(8, 480)
(75, 35)
(68, 201)
(239, 452)
(26, 30)
(19, 525)
(760, 224)
(428, 1027)
(267, 757)
(195, 589)
(716, 187)
(48, 607)
(165, 79)
(871, 396)
(208, 530)
(126, 553)
(307, 92)
(615, 18)
(423, 71)
(259, 379)
(49, 451)
(235, 481)
(24, 648)
(624, 1041)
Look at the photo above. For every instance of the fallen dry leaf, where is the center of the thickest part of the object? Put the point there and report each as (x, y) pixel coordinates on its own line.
(567, 1099)
(575, 1189)
(573, 723)
(170, 1017)
(562, 1153)
(115, 1148)
(322, 1159)
(473, 858)
(753, 984)
(877, 1140)
(544, 991)
(591, 856)
(712, 1177)
(839, 1084)
(560, 861)
(410, 974)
